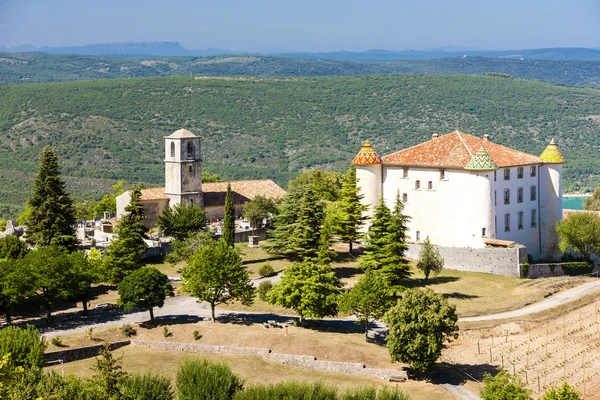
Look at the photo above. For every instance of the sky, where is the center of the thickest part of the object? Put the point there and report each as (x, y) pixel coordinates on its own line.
(305, 25)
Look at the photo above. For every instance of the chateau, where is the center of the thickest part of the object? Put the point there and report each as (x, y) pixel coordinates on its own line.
(465, 191)
(183, 183)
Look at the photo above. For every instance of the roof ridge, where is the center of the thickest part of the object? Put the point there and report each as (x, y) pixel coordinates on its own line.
(464, 143)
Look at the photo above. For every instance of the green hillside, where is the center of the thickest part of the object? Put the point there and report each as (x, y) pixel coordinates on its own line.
(273, 127)
(43, 68)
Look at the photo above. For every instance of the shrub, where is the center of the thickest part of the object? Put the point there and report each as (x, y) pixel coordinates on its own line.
(290, 390)
(166, 332)
(147, 386)
(524, 270)
(266, 271)
(577, 268)
(263, 289)
(26, 346)
(197, 335)
(57, 341)
(565, 392)
(503, 386)
(128, 330)
(199, 379)
(90, 333)
(371, 393)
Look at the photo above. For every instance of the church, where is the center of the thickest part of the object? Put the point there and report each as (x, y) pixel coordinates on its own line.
(183, 183)
(469, 192)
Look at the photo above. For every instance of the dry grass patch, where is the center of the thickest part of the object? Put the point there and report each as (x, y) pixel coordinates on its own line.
(256, 257)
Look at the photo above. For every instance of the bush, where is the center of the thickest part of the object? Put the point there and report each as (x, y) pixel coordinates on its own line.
(147, 386)
(524, 270)
(266, 271)
(503, 386)
(565, 392)
(263, 289)
(197, 335)
(57, 341)
(199, 379)
(128, 330)
(166, 332)
(26, 346)
(577, 268)
(290, 390)
(370, 393)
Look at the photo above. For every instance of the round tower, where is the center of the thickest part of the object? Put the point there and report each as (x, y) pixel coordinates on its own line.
(550, 185)
(369, 174)
(183, 168)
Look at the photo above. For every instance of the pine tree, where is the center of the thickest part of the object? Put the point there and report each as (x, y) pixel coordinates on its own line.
(306, 240)
(285, 220)
(395, 267)
(377, 237)
(229, 218)
(351, 216)
(125, 253)
(52, 216)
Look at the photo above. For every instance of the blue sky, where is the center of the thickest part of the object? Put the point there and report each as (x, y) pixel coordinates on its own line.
(305, 25)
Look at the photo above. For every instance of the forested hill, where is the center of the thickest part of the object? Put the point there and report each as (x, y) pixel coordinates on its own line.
(273, 127)
(42, 68)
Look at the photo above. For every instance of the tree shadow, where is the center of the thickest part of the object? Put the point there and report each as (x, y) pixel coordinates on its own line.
(101, 289)
(421, 282)
(459, 296)
(347, 272)
(456, 374)
(165, 320)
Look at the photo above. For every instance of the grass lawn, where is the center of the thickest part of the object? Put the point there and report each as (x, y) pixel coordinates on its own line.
(254, 370)
(256, 257)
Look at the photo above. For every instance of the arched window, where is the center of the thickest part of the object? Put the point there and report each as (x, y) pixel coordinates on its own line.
(172, 149)
(190, 150)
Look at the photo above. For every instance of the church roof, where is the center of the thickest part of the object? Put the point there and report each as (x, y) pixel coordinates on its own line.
(181, 134)
(366, 156)
(551, 154)
(481, 161)
(455, 150)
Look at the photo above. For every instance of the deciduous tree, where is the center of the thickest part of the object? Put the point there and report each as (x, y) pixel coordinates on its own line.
(144, 288)
(419, 324)
(309, 289)
(351, 212)
(565, 392)
(580, 231)
(182, 220)
(229, 218)
(11, 247)
(430, 260)
(17, 283)
(503, 386)
(258, 209)
(215, 274)
(592, 203)
(25, 345)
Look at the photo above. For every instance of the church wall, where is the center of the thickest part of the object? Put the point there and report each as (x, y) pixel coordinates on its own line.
(219, 211)
(152, 209)
(122, 202)
(452, 213)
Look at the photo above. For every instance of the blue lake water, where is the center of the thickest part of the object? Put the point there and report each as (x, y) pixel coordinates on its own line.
(573, 203)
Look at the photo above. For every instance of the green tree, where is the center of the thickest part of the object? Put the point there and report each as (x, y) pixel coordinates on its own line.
(581, 232)
(565, 392)
(377, 237)
(207, 177)
(51, 214)
(182, 220)
(215, 274)
(109, 374)
(9, 376)
(109, 201)
(430, 260)
(25, 345)
(17, 283)
(229, 218)
(592, 203)
(125, 253)
(306, 239)
(257, 209)
(85, 209)
(82, 274)
(3, 223)
(200, 379)
(309, 289)
(503, 386)
(419, 324)
(285, 220)
(183, 249)
(327, 185)
(144, 288)
(351, 212)
(11, 247)
(368, 299)
(394, 265)
(146, 386)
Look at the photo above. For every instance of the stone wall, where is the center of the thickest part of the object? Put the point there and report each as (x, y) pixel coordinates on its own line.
(303, 361)
(548, 270)
(496, 261)
(80, 353)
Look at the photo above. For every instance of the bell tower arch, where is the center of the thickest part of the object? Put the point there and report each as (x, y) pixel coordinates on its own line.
(183, 168)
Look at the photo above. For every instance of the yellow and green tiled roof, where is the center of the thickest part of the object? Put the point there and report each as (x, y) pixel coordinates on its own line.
(366, 156)
(481, 161)
(552, 155)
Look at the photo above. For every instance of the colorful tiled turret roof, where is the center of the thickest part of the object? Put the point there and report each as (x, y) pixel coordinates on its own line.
(481, 161)
(552, 155)
(366, 156)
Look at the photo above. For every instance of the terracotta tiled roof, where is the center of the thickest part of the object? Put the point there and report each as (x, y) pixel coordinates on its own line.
(366, 156)
(154, 194)
(242, 191)
(455, 150)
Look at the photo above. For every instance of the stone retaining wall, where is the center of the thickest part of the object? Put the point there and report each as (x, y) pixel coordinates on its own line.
(80, 353)
(303, 361)
(549, 270)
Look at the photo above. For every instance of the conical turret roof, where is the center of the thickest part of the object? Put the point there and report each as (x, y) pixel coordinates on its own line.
(481, 161)
(552, 155)
(366, 156)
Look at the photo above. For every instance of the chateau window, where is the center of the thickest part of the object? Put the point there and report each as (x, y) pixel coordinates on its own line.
(520, 220)
(520, 195)
(495, 174)
(483, 232)
(442, 175)
(496, 224)
(520, 173)
(506, 222)
(495, 198)
(430, 185)
(172, 149)
(533, 218)
(417, 185)
(405, 173)
(405, 198)
(533, 193)
(532, 171)
(190, 150)
(506, 196)
(507, 174)
(418, 235)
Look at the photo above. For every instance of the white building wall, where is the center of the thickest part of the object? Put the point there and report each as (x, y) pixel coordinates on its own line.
(370, 183)
(550, 209)
(452, 213)
(123, 201)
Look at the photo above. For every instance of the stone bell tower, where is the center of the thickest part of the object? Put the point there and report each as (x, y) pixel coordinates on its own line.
(183, 168)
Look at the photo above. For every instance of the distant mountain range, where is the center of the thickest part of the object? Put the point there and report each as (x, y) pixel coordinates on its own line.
(172, 49)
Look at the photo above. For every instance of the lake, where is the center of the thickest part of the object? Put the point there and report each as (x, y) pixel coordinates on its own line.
(573, 202)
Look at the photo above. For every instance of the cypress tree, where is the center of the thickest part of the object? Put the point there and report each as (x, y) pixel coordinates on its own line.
(229, 218)
(377, 237)
(395, 267)
(51, 218)
(351, 216)
(125, 253)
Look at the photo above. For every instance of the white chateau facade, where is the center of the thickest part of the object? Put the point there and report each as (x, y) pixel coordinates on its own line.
(463, 191)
